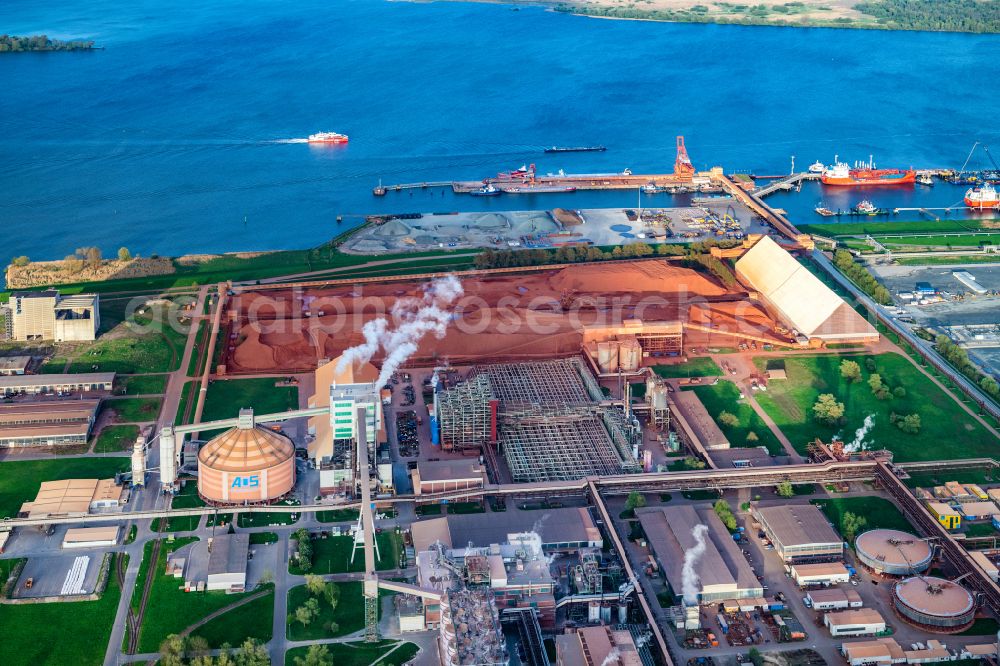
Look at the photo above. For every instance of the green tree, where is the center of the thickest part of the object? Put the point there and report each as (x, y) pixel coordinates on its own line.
(332, 594)
(910, 424)
(728, 419)
(124, 254)
(785, 489)
(850, 371)
(307, 612)
(828, 410)
(752, 437)
(635, 500)
(875, 382)
(755, 657)
(172, 651)
(690, 462)
(990, 386)
(316, 655)
(252, 653)
(850, 524)
(899, 392)
(725, 514)
(315, 584)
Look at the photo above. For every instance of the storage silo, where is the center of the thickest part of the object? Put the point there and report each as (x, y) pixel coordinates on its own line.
(247, 464)
(934, 604)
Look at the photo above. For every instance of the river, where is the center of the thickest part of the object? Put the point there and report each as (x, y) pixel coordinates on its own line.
(173, 138)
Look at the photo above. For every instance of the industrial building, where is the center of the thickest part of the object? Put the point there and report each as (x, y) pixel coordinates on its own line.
(877, 652)
(893, 552)
(934, 604)
(247, 464)
(799, 532)
(973, 511)
(820, 573)
(741, 458)
(857, 622)
(986, 564)
(227, 562)
(546, 418)
(470, 630)
(47, 315)
(689, 409)
(74, 497)
(834, 598)
(346, 387)
(14, 365)
(48, 423)
(442, 475)
(812, 311)
(41, 384)
(91, 537)
(597, 646)
(945, 514)
(723, 570)
(563, 530)
(613, 349)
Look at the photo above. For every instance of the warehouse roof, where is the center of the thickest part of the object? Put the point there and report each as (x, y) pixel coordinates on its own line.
(80, 428)
(14, 363)
(833, 594)
(705, 428)
(942, 509)
(47, 411)
(820, 569)
(229, 554)
(70, 497)
(798, 524)
(450, 470)
(86, 534)
(880, 649)
(17, 381)
(979, 508)
(426, 533)
(854, 616)
(566, 525)
(799, 298)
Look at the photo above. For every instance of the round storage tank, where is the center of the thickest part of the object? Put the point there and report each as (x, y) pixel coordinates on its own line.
(246, 465)
(934, 604)
(893, 552)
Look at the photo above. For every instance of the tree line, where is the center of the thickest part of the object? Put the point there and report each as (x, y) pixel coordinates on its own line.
(15, 44)
(860, 276)
(959, 358)
(940, 15)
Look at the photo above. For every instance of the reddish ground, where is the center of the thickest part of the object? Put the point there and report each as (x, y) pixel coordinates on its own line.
(506, 317)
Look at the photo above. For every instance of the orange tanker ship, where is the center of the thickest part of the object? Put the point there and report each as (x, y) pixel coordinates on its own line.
(865, 174)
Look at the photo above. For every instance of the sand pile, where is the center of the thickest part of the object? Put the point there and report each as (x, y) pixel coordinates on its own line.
(640, 276)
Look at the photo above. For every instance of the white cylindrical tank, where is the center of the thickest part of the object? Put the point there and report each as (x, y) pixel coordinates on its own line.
(607, 356)
(630, 355)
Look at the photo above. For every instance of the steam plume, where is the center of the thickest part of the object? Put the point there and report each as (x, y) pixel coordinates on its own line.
(416, 318)
(612, 657)
(688, 573)
(859, 443)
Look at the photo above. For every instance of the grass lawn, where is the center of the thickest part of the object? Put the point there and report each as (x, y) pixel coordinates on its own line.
(19, 480)
(947, 432)
(116, 438)
(465, 507)
(157, 346)
(725, 396)
(53, 366)
(362, 654)
(333, 554)
(879, 512)
(198, 351)
(930, 479)
(980, 530)
(187, 498)
(982, 627)
(251, 620)
(701, 366)
(172, 609)
(226, 397)
(59, 633)
(337, 516)
(269, 518)
(187, 398)
(699, 495)
(877, 227)
(261, 538)
(134, 410)
(349, 613)
(429, 510)
(144, 385)
(950, 259)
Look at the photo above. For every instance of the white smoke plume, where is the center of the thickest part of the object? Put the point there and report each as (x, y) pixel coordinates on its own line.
(612, 657)
(415, 317)
(688, 573)
(859, 443)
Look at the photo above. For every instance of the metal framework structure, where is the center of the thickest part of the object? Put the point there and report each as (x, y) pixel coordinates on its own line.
(465, 413)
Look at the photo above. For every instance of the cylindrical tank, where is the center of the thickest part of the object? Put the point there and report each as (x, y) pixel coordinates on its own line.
(246, 464)
(934, 604)
(630, 355)
(893, 552)
(607, 356)
(658, 396)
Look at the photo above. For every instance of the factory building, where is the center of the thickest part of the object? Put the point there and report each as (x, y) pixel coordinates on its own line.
(248, 464)
(857, 622)
(973, 511)
(611, 349)
(42, 384)
(811, 310)
(723, 570)
(893, 552)
(934, 604)
(597, 646)
(820, 573)
(333, 450)
(689, 410)
(227, 562)
(878, 652)
(799, 532)
(49, 423)
(833, 598)
(944, 514)
(73, 498)
(444, 475)
(46, 315)
(91, 537)
(986, 564)
(14, 365)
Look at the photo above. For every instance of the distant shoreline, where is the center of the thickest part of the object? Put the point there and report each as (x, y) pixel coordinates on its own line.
(42, 44)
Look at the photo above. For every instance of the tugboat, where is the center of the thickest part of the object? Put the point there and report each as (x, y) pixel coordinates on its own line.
(925, 179)
(817, 167)
(486, 190)
(823, 210)
(328, 137)
(866, 208)
(980, 198)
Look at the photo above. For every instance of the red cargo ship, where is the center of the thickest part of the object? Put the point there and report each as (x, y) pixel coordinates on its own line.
(865, 174)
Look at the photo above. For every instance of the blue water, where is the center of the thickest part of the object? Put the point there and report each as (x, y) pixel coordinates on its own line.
(166, 141)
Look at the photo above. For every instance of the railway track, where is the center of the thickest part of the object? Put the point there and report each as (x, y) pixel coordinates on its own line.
(135, 618)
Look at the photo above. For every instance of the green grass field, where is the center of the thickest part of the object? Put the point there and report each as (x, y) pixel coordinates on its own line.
(947, 432)
(696, 367)
(725, 396)
(188, 394)
(144, 385)
(254, 619)
(146, 353)
(944, 261)
(879, 512)
(134, 410)
(226, 397)
(19, 480)
(875, 227)
(930, 479)
(171, 609)
(337, 515)
(349, 613)
(116, 438)
(956, 241)
(198, 351)
(53, 366)
(187, 498)
(333, 554)
(979, 530)
(270, 518)
(387, 653)
(59, 633)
